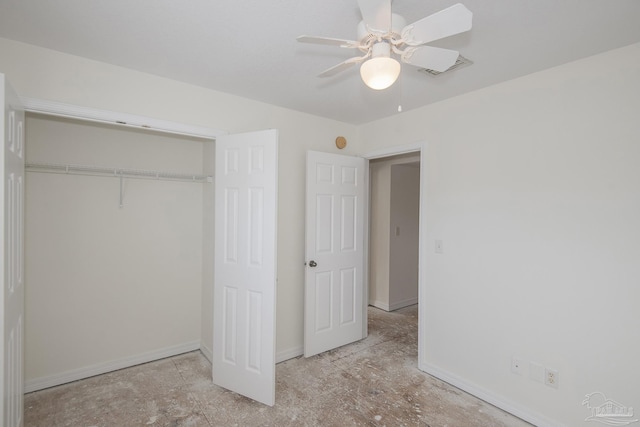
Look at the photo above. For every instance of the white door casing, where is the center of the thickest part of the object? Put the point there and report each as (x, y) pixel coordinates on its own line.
(419, 147)
(334, 313)
(245, 264)
(11, 259)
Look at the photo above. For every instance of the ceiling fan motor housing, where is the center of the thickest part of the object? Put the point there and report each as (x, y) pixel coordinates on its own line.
(381, 50)
(397, 24)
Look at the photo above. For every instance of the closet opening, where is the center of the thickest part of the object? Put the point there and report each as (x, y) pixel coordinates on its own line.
(118, 244)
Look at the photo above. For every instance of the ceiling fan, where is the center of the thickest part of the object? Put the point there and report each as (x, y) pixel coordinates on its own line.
(382, 33)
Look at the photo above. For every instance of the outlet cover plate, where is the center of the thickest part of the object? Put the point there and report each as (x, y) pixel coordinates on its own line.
(551, 377)
(517, 365)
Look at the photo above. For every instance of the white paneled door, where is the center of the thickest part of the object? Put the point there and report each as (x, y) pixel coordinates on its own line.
(244, 306)
(334, 312)
(11, 261)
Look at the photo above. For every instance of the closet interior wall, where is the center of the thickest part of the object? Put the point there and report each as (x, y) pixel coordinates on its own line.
(108, 285)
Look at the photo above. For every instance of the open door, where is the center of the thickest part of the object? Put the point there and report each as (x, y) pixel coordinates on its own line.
(334, 313)
(11, 259)
(244, 290)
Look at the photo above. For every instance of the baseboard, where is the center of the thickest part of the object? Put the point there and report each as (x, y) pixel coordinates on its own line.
(402, 304)
(281, 356)
(102, 368)
(206, 352)
(379, 304)
(394, 306)
(501, 402)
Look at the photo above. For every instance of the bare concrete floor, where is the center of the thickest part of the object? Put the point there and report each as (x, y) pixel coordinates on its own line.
(374, 382)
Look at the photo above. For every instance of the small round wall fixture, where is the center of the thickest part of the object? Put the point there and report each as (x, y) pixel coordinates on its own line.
(341, 142)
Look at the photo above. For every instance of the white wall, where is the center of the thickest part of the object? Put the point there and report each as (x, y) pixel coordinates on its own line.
(46, 74)
(404, 233)
(105, 283)
(379, 218)
(534, 188)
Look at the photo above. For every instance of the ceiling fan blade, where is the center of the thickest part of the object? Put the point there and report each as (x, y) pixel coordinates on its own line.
(432, 58)
(453, 20)
(342, 66)
(376, 14)
(328, 41)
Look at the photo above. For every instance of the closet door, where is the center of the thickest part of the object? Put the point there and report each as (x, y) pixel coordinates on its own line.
(11, 259)
(244, 290)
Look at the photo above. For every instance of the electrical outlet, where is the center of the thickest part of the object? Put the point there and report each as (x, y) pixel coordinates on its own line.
(517, 366)
(551, 377)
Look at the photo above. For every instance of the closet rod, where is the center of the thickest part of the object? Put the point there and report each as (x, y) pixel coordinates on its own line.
(114, 172)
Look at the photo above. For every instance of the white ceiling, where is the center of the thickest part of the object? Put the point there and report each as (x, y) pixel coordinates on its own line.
(248, 47)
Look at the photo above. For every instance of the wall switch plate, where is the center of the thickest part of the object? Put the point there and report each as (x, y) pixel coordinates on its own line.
(517, 365)
(536, 372)
(551, 377)
(439, 247)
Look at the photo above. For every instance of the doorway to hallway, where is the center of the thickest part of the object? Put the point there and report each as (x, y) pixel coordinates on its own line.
(394, 231)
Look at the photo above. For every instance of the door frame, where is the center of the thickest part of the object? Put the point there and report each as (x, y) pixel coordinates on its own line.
(418, 147)
(77, 112)
(12, 295)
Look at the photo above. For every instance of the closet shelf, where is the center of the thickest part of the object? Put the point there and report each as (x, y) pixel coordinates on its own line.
(115, 172)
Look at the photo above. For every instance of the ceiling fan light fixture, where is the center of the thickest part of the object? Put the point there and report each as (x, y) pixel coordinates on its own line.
(382, 33)
(381, 71)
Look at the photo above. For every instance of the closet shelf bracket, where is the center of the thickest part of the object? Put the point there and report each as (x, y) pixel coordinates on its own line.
(121, 191)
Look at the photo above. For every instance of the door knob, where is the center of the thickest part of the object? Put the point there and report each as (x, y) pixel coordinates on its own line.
(313, 263)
